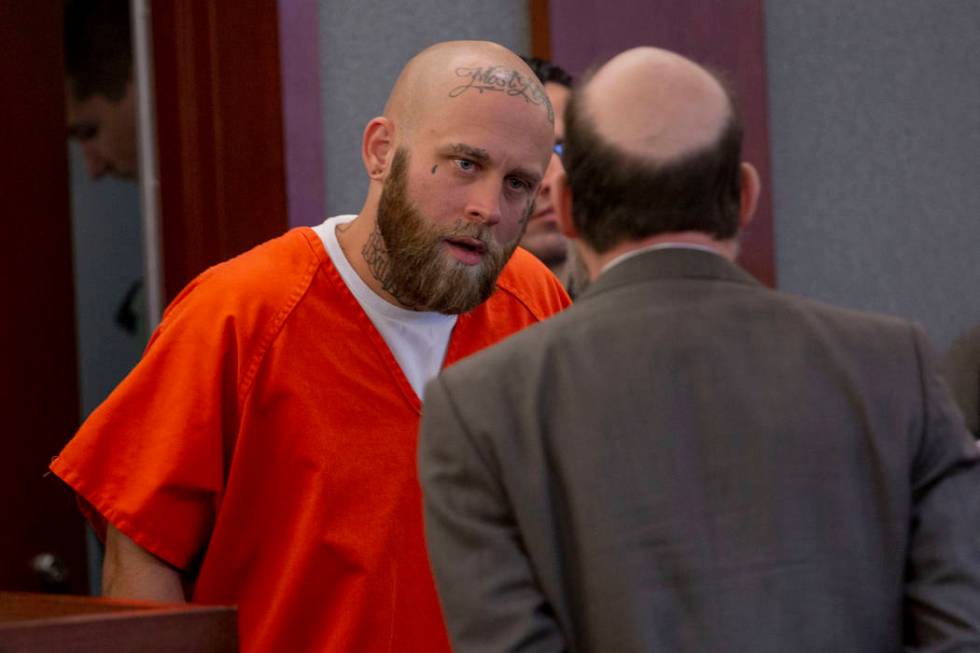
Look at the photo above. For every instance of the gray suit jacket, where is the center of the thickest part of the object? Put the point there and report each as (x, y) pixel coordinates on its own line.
(962, 368)
(688, 461)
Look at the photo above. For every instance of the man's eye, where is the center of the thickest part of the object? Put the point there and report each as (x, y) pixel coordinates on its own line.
(84, 132)
(465, 165)
(516, 183)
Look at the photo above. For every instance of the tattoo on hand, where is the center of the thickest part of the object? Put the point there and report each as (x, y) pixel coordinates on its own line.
(501, 80)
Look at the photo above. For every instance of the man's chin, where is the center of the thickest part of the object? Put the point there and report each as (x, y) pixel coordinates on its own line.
(550, 248)
(543, 223)
(124, 175)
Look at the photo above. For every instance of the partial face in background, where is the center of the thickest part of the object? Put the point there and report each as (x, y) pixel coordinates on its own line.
(543, 238)
(457, 198)
(106, 132)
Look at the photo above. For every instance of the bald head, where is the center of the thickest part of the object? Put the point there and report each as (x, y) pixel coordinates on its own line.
(454, 69)
(655, 105)
(653, 147)
(454, 163)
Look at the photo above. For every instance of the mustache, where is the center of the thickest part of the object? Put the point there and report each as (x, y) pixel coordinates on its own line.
(468, 229)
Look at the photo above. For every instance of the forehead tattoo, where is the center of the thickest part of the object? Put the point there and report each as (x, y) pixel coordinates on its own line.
(499, 79)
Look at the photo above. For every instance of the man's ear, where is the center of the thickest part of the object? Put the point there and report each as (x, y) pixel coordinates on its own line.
(749, 194)
(377, 147)
(562, 200)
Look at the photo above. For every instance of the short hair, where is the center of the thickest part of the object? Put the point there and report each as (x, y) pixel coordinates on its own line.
(618, 196)
(98, 48)
(548, 72)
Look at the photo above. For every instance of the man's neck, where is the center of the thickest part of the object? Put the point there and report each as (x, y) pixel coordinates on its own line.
(557, 267)
(596, 263)
(353, 239)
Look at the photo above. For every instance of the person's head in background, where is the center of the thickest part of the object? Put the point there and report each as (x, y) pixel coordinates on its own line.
(101, 103)
(542, 238)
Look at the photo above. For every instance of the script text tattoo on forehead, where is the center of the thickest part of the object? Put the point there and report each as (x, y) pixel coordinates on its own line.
(502, 80)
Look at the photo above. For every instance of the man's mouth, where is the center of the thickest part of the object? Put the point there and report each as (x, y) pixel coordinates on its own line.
(546, 212)
(466, 249)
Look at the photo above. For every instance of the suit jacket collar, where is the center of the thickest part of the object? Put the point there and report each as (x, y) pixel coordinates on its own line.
(671, 263)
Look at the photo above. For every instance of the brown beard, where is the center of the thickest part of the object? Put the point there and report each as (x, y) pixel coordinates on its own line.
(404, 254)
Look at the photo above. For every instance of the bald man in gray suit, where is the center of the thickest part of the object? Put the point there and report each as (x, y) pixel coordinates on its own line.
(685, 460)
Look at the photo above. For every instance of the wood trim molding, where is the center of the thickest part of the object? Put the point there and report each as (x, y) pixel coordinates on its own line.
(540, 29)
(219, 132)
(39, 383)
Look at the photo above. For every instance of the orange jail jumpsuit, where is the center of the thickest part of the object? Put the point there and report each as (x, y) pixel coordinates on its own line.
(266, 445)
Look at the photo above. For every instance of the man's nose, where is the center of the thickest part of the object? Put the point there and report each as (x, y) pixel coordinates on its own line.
(96, 165)
(554, 169)
(484, 202)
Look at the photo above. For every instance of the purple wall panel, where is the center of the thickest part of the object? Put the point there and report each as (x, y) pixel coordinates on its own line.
(302, 123)
(726, 34)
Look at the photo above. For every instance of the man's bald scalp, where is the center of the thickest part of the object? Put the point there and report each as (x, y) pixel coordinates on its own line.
(652, 146)
(656, 105)
(447, 70)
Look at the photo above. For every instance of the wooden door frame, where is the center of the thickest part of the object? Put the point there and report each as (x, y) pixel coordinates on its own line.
(40, 400)
(219, 132)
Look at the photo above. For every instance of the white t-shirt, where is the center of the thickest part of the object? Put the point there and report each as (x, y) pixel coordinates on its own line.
(417, 339)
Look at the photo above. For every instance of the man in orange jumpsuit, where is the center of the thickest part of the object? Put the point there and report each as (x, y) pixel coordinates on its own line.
(262, 454)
